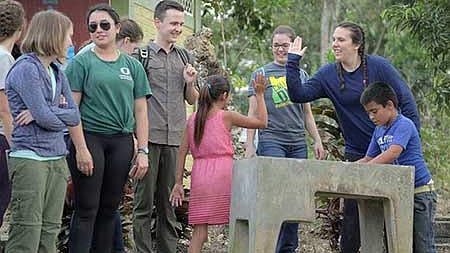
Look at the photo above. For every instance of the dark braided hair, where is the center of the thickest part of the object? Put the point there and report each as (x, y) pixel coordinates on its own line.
(11, 18)
(358, 37)
(215, 86)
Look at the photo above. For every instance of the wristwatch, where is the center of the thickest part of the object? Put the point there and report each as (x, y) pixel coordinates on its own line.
(143, 150)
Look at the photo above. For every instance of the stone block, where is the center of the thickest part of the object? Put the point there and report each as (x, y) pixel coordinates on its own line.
(268, 191)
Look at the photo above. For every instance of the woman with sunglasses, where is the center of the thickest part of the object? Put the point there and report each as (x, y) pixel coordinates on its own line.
(343, 83)
(111, 89)
(129, 37)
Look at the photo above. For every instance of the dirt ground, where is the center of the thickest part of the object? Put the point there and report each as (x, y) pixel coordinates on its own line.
(309, 241)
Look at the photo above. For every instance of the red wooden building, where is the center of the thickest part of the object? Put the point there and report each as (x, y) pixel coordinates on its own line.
(75, 9)
(139, 10)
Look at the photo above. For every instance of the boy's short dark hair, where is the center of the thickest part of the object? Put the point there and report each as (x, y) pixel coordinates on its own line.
(162, 7)
(379, 93)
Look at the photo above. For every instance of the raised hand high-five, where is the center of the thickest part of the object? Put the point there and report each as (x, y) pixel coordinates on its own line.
(296, 47)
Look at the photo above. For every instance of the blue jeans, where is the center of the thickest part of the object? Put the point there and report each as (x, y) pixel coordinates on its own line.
(118, 244)
(350, 234)
(288, 237)
(423, 234)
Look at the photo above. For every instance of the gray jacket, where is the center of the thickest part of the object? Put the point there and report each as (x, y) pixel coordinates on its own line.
(28, 86)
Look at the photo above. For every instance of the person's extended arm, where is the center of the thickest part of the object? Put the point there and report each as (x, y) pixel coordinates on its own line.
(5, 113)
(84, 159)
(310, 124)
(260, 121)
(298, 91)
(375, 155)
(141, 116)
(250, 149)
(177, 195)
(388, 156)
(6, 117)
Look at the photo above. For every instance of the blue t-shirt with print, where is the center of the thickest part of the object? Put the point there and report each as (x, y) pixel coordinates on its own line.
(404, 133)
(285, 119)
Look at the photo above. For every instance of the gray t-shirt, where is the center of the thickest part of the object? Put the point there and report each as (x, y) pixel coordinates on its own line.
(285, 119)
(6, 61)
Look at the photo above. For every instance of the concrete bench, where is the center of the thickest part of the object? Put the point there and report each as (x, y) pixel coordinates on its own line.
(268, 191)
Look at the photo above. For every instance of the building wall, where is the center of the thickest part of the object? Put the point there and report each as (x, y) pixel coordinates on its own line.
(75, 10)
(122, 7)
(140, 10)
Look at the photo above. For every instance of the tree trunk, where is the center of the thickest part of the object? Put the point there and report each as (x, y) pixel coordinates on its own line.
(325, 31)
(330, 14)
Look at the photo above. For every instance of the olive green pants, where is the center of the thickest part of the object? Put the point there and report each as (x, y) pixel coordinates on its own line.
(37, 201)
(157, 184)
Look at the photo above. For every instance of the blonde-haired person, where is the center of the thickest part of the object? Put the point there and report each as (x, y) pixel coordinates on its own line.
(42, 106)
(11, 26)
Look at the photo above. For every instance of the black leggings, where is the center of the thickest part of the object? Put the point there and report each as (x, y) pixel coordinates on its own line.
(97, 197)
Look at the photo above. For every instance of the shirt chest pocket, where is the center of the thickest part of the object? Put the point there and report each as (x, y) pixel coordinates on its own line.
(155, 64)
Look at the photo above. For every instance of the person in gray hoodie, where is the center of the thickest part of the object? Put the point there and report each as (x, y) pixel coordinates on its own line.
(42, 106)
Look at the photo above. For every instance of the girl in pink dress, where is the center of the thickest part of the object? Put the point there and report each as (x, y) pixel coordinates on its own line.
(208, 137)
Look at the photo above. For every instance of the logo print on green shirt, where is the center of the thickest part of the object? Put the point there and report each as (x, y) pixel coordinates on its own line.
(279, 95)
(125, 73)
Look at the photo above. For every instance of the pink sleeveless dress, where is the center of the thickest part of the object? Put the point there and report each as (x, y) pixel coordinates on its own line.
(210, 195)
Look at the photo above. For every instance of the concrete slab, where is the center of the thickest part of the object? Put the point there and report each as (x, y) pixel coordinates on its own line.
(269, 191)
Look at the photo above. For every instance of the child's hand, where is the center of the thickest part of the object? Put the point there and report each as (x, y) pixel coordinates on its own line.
(259, 83)
(177, 195)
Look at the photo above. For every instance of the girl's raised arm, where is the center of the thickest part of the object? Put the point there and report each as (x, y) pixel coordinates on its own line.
(260, 121)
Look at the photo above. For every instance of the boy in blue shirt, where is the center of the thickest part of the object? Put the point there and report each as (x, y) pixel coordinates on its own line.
(396, 140)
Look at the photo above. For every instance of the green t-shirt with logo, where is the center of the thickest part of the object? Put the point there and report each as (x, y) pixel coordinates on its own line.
(108, 89)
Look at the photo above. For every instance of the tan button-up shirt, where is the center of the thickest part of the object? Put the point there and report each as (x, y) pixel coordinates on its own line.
(166, 107)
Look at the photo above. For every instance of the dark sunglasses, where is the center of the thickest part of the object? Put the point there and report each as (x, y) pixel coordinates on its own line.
(105, 25)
